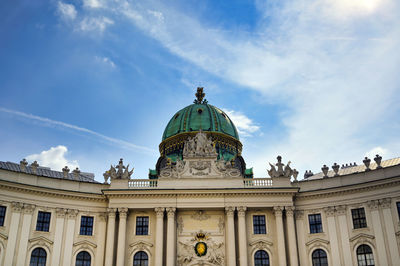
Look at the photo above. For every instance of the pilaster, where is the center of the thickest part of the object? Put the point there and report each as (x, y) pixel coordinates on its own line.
(334, 243)
(60, 217)
(341, 211)
(241, 211)
(159, 236)
(110, 237)
(171, 242)
(291, 236)
(280, 235)
(123, 213)
(386, 205)
(230, 236)
(101, 233)
(373, 206)
(299, 215)
(26, 226)
(16, 208)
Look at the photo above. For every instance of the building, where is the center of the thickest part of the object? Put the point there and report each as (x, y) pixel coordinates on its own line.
(201, 206)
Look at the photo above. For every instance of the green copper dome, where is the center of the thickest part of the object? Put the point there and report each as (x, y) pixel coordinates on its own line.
(200, 116)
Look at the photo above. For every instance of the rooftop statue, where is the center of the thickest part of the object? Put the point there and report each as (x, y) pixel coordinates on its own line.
(120, 171)
(283, 171)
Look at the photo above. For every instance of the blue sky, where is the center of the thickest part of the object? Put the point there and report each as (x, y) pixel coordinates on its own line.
(86, 82)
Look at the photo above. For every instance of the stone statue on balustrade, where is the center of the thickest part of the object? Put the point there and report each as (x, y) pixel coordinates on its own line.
(281, 170)
(120, 171)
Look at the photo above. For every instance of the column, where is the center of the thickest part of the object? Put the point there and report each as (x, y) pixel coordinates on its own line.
(16, 208)
(299, 214)
(390, 231)
(230, 236)
(159, 236)
(242, 235)
(171, 242)
(341, 211)
(291, 236)
(101, 233)
(330, 216)
(26, 226)
(69, 236)
(123, 213)
(280, 235)
(58, 235)
(110, 237)
(377, 226)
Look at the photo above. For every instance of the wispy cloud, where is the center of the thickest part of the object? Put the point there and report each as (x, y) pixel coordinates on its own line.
(54, 158)
(105, 60)
(66, 11)
(93, 3)
(50, 122)
(244, 124)
(97, 24)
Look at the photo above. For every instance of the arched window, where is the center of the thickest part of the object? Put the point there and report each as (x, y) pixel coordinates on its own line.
(141, 259)
(365, 256)
(319, 258)
(38, 257)
(83, 259)
(261, 258)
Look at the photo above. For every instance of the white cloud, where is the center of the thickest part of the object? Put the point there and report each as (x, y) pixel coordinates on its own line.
(377, 151)
(92, 3)
(105, 60)
(244, 125)
(67, 11)
(53, 158)
(53, 123)
(98, 24)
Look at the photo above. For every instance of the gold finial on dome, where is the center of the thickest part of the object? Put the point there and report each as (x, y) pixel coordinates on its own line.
(200, 96)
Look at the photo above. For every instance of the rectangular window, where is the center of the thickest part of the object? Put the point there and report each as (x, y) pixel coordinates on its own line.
(398, 208)
(142, 225)
(259, 224)
(359, 220)
(86, 226)
(315, 223)
(3, 215)
(43, 221)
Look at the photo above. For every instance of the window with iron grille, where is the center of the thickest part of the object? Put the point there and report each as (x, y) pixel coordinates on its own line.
(259, 224)
(86, 226)
(3, 215)
(359, 220)
(315, 223)
(142, 225)
(43, 221)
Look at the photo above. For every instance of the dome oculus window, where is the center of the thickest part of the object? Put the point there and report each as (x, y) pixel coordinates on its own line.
(200, 111)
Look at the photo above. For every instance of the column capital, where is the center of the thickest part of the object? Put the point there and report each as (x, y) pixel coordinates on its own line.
(329, 211)
(123, 212)
(159, 212)
(72, 213)
(171, 212)
(111, 212)
(102, 216)
(61, 212)
(29, 208)
(289, 211)
(341, 209)
(230, 211)
(16, 206)
(385, 203)
(278, 211)
(373, 204)
(241, 211)
(299, 214)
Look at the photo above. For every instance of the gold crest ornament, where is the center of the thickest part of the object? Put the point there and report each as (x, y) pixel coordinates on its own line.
(201, 247)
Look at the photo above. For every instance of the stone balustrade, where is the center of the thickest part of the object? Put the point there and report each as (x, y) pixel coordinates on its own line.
(142, 183)
(258, 182)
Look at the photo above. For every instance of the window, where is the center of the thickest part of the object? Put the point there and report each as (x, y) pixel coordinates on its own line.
(259, 224)
(261, 258)
(38, 257)
(43, 221)
(86, 226)
(398, 208)
(83, 259)
(359, 220)
(3, 215)
(142, 226)
(315, 223)
(365, 256)
(140, 259)
(319, 258)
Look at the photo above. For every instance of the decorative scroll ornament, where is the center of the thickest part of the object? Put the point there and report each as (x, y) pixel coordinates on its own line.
(199, 160)
(281, 170)
(200, 96)
(118, 172)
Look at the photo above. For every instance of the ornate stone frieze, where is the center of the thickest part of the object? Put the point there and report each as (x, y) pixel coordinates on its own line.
(261, 244)
(200, 216)
(385, 203)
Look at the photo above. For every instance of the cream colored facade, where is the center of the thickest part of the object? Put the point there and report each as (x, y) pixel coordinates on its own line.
(220, 207)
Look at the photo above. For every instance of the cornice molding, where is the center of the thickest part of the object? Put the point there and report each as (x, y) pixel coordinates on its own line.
(40, 239)
(85, 242)
(362, 236)
(317, 240)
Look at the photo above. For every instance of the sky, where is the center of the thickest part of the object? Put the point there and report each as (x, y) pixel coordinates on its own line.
(86, 82)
